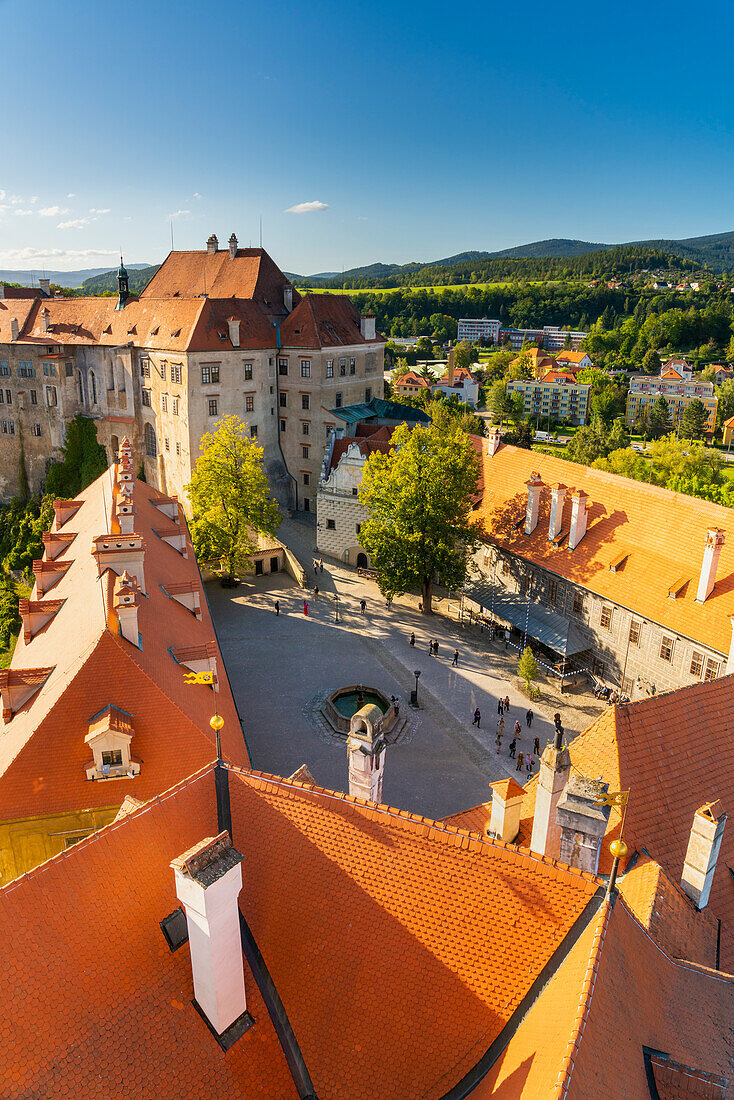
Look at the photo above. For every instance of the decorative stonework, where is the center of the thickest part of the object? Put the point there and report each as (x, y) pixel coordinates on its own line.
(313, 711)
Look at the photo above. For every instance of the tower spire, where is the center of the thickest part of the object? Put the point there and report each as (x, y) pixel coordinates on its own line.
(123, 286)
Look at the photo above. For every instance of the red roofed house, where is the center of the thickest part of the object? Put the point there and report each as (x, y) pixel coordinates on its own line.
(214, 332)
(96, 707)
(409, 384)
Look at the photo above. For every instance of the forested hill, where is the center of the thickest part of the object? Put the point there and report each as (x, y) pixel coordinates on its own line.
(107, 282)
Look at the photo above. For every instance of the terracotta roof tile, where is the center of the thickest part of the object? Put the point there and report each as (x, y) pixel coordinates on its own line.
(323, 321)
(251, 274)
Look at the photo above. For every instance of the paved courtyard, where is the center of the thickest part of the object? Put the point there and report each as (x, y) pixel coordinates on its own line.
(281, 665)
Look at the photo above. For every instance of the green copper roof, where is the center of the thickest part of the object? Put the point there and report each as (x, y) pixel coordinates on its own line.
(385, 410)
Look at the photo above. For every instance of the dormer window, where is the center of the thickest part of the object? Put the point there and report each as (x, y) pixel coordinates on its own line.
(109, 737)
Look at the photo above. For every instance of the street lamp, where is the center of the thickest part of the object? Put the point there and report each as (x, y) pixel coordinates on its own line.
(336, 608)
(414, 694)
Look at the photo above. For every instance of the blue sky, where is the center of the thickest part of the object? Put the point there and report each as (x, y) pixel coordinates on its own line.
(412, 130)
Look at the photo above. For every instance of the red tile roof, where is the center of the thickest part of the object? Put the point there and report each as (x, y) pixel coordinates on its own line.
(624, 516)
(13, 309)
(323, 321)
(559, 376)
(368, 444)
(9, 292)
(251, 274)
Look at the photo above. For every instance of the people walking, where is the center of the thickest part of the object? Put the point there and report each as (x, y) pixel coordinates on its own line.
(513, 747)
(529, 719)
(477, 718)
(363, 606)
(507, 704)
(499, 741)
(455, 661)
(528, 763)
(501, 724)
(412, 638)
(520, 761)
(435, 649)
(430, 647)
(305, 607)
(500, 706)
(507, 637)
(315, 593)
(321, 565)
(536, 746)
(277, 607)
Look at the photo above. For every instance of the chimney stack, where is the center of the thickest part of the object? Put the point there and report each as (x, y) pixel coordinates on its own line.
(45, 319)
(288, 297)
(45, 285)
(14, 328)
(555, 768)
(234, 331)
(232, 247)
(125, 602)
(212, 244)
(579, 517)
(534, 485)
(494, 438)
(2, 291)
(366, 754)
(121, 553)
(507, 796)
(703, 851)
(709, 565)
(555, 523)
(367, 326)
(208, 883)
(582, 822)
(451, 365)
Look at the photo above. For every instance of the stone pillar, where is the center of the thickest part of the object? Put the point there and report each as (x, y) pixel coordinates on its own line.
(555, 768)
(583, 822)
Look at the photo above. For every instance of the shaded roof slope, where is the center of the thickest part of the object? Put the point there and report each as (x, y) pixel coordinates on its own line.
(323, 321)
(662, 534)
(251, 274)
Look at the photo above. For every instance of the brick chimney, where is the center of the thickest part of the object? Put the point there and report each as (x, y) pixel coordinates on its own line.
(45, 319)
(709, 565)
(451, 366)
(507, 796)
(367, 326)
(212, 244)
(208, 882)
(125, 603)
(288, 297)
(582, 822)
(555, 522)
(703, 851)
(534, 485)
(555, 768)
(579, 517)
(234, 331)
(45, 285)
(494, 438)
(232, 247)
(14, 330)
(366, 754)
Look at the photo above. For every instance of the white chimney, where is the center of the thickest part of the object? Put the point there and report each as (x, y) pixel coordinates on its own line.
(555, 523)
(212, 244)
(555, 768)
(494, 438)
(703, 851)
(14, 328)
(507, 796)
(579, 516)
(45, 319)
(366, 754)
(45, 285)
(709, 565)
(234, 331)
(534, 485)
(208, 883)
(583, 822)
(232, 247)
(367, 326)
(288, 297)
(125, 601)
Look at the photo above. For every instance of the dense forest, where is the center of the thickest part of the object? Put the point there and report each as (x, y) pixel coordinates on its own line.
(107, 283)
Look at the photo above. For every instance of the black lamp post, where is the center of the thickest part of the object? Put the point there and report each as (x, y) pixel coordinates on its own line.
(336, 608)
(415, 693)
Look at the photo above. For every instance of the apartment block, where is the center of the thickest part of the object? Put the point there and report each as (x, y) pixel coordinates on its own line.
(556, 396)
(677, 390)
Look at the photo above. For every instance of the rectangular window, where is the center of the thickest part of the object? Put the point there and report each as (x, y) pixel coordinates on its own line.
(597, 667)
(34, 397)
(304, 452)
(8, 397)
(146, 398)
(176, 373)
(666, 648)
(178, 449)
(305, 401)
(329, 368)
(368, 394)
(213, 407)
(306, 479)
(145, 368)
(552, 593)
(163, 371)
(712, 669)
(253, 431)
(330, 525)
(338, 401)
(249, 403)
(696, 664)
(283, 400)
(282, 425)
(175, 406)
(210, 373)
(2, 397)
(164, 402)
(358, 527)
(51, 395)
(634, 636)
(606, 616)
(36, 429)
(305, 368)
(305, 427)
(166, 443)
(524, 586)
(283, 367)
(4, 368)
(25, 370)
(352, 366)
(112, 758)
(49, 371)
(248, 372)
(342, 367)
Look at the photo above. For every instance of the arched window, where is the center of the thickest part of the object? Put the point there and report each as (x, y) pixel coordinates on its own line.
(151, 447)
(81, 386)
(93, 382)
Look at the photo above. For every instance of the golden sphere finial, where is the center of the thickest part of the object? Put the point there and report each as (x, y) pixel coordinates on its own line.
(216, 722)
(618, 848)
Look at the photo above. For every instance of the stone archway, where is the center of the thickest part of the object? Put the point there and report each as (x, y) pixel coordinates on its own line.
(362, 561)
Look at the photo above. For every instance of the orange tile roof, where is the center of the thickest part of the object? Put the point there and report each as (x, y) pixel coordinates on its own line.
(323, 321)
(559, 376)
(570, 356)
(362, 913)
(42, 750)
(13, 309)
(410, 378)
(660, 532)
(377, 441)
(251, 274)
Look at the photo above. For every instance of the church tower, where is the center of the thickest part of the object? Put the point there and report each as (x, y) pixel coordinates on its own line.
(123, 290)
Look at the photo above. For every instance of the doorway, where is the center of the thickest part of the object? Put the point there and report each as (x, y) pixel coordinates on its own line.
(362, 562)
(273, 565)
(258, 569)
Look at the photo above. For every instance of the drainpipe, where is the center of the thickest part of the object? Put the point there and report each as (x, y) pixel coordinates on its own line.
(277, 412)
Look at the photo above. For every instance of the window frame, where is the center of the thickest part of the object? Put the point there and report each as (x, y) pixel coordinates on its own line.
(664, 639)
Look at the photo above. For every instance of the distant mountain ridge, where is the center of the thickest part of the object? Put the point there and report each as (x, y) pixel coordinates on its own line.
(71, 279)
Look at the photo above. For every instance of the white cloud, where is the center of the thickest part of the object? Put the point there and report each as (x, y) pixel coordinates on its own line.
(33, 200)
(22, 213)
(179, 214)
(93, 210)
(51, 211)
(195, 195)
(307, 207)
(71, 195)
(53, 257)
(74, 223)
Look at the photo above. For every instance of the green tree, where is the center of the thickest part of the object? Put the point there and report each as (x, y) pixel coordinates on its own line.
(608, 403)
(725, 394)
(626, 463)
(651, 362)
(519, 369)
(659, 417)
(619, 437)
(84, 460)
(642, 421)
(463, 355)
(694, 418)
(500, 404)
(527, 667)
(589, 444)
(230, 497)
(424, 348)
(419, 500)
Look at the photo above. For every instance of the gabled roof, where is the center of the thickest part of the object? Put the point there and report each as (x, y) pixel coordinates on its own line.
(378, 441)
(9, 292)
(13, 309)
(251, 274)
(323, 321)
(625, 517)
(410, 378)
(559, 376)
(571, 356)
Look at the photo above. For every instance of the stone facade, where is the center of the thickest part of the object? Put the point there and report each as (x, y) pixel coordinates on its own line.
(339, 514)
